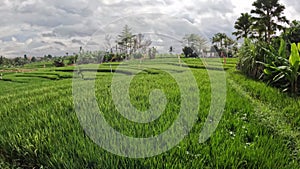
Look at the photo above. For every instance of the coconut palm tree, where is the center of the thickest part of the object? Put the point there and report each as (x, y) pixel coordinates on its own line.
(228, 42)
(219, 38)
(243, 26)
(216, 40)
(268, 15)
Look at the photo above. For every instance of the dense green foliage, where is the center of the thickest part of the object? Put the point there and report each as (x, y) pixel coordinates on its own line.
(224, 45)
(189, 52)
(249, 54)
(284, 70)
(292, 33)
(276, 63)
(273, 59)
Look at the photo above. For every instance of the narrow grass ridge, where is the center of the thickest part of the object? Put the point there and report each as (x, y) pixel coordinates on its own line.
(272, 118)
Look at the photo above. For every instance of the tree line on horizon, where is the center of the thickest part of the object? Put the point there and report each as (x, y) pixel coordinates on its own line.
(132, 45)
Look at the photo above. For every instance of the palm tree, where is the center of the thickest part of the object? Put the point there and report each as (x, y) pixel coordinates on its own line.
(259, 31)
(268, 15)
(219, 38)
(228, 42)
(215, 40)
(243, 26)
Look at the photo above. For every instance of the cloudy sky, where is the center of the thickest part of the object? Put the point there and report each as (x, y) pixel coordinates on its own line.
(39, 27)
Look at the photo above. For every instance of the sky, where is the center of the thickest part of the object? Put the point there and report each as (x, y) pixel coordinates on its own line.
(40, 27)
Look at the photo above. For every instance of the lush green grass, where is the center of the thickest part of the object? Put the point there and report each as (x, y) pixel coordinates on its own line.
(39, 126)
(44, 64)
(28, 77)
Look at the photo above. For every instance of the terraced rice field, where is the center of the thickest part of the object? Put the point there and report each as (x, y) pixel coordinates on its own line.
(40, 126)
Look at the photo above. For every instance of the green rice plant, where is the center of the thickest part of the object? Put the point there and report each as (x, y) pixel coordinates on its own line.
(40, 128)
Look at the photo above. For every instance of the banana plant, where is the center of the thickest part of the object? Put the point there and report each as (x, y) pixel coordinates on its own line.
(287, 69)
(294, 66)
(272, 59)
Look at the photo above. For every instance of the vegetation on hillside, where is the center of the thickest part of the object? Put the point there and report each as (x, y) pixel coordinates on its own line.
(265, 55)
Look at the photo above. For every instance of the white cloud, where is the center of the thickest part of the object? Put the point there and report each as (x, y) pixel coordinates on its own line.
(39, 27)
(28, 41)
(13, 39)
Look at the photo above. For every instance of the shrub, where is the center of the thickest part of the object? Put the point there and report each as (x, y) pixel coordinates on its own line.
(284, 70)
(137, 55)
(59, 62)
(189, 52)
(249, 54)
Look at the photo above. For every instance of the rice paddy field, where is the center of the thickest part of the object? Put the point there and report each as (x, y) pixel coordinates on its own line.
(259, 128)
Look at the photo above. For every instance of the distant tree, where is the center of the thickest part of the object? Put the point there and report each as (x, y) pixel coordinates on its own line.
(18, 61)
(25, 57)
(216, 41)
(1, 60)
(71, 60)
(223, 44)
(228, 42)
(59, 62)
(152, 52)
(137, 55)
(234, 49)
(33, 59)
(99, 56)
(171, 49)
(195, 42)
(292, 34)
(219, 39)
(229, 45)
(215, 48)
(49, 56)
(189, 52)
(141, 43)
(75, 58)
(268, 15)
(125, 40)
(243, 26)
